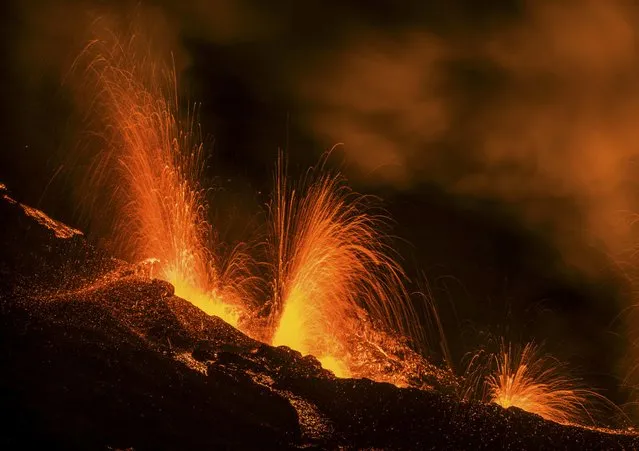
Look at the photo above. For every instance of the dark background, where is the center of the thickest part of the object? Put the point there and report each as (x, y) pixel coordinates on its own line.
(472, 121)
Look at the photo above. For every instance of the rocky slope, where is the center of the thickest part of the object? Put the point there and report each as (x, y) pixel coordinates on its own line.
(94, 355)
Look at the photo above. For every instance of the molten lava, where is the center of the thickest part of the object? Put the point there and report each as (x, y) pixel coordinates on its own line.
(59, 229)
(534, 383)
(150, 164)
(337, 292)
(332, 270)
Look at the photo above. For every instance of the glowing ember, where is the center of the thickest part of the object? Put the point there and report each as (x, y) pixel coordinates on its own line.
(149, 165)
(59, 229)
(332, 267)
(534, 383)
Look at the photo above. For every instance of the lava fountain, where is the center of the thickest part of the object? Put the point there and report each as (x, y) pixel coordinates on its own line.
(334, 277)
(338, 294)
(535, 383)
(144, 181)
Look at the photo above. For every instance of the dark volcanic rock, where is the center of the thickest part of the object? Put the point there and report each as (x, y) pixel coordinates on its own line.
(95, 356)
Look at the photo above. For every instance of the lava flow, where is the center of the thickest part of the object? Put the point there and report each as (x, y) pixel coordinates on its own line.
(145, 179)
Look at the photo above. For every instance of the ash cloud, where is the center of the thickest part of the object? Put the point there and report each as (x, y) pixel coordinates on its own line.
(539, 108)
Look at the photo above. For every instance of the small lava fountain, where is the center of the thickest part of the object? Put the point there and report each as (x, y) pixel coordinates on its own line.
(535, 383)
(146, 177)
(333, 271)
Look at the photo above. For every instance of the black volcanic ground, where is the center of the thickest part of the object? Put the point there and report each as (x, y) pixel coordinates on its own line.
(95, 362)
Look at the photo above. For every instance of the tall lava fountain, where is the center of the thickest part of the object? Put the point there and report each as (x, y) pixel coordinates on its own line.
(144, 181)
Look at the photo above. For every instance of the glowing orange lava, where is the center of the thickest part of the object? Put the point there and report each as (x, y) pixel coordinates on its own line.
(332, 269)
(534, 383)
(336, 288)
(150, 164)
(59, 229)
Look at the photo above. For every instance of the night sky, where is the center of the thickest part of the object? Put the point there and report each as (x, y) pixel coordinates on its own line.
(499, 136)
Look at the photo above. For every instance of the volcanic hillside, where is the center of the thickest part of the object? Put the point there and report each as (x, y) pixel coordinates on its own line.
(96, 354)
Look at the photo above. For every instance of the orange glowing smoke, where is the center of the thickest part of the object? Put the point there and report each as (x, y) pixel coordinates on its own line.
(150, 163)
(535, 383)
(332, 269)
